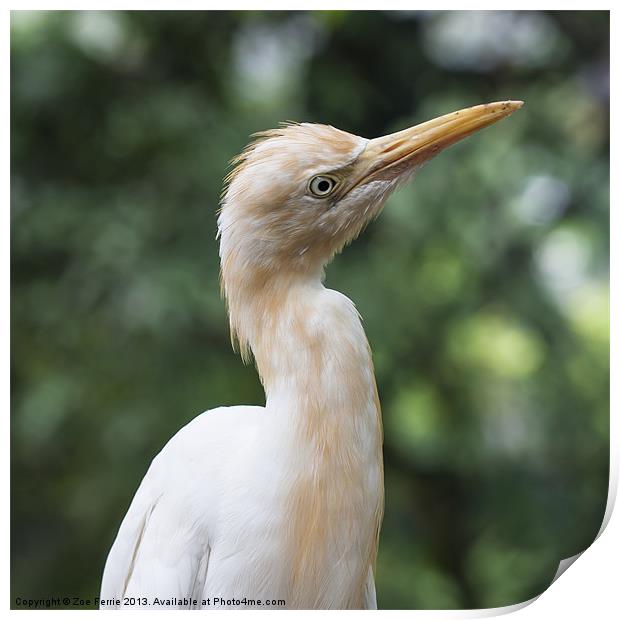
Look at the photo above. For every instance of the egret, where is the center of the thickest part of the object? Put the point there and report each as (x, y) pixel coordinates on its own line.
(253, 506)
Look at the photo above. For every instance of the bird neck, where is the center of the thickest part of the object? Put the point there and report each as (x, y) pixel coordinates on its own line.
(323, 423)
(307, 341)
(311, 353)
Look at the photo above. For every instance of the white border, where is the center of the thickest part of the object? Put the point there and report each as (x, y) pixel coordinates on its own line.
(589, 586)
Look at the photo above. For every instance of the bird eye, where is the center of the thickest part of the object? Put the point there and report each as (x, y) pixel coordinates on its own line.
(322, 186)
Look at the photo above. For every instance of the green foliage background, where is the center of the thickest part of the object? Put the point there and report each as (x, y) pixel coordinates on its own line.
(484, 284)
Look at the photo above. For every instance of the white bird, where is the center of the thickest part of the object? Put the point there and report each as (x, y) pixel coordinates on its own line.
(281, 505)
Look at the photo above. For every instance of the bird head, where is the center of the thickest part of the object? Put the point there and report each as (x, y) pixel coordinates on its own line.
(300, 193)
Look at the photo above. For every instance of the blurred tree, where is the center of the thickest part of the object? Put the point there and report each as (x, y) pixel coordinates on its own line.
(484, 285)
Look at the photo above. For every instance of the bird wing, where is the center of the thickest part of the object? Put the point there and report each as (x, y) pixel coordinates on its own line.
(121, 560)
(149, 560)
(162, 549)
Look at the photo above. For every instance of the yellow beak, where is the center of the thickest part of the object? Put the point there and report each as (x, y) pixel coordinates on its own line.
(387, 157)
